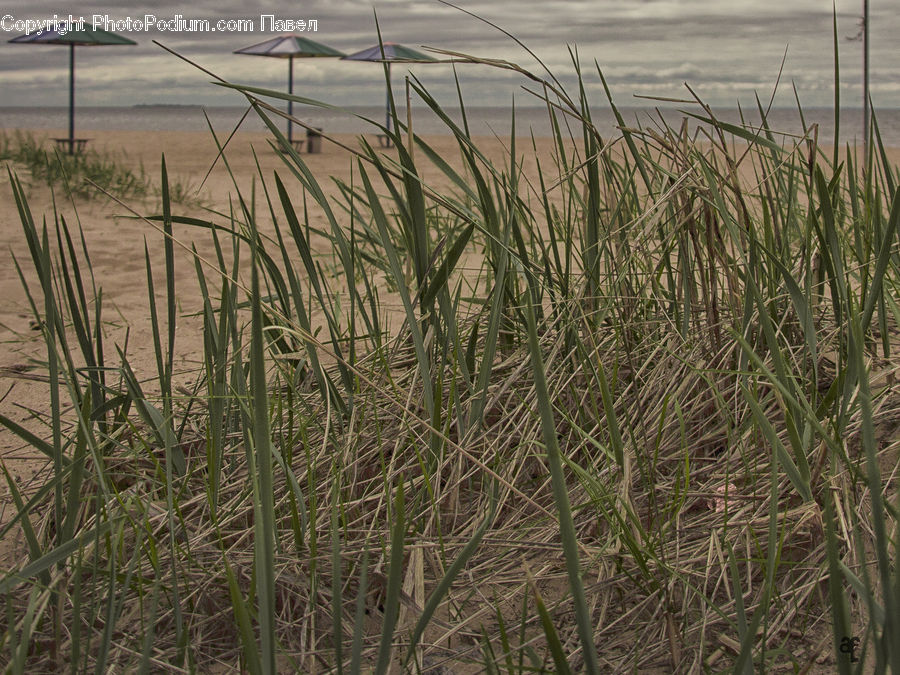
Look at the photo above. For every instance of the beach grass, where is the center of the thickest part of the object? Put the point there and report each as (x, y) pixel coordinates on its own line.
(634, 411)
(89, 174)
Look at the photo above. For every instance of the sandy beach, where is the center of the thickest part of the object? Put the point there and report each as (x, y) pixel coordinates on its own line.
(597, 370)
(115, 236)
(116, 233)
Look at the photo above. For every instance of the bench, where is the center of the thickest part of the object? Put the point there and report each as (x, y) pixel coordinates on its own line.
(313, 142)
(297, 143)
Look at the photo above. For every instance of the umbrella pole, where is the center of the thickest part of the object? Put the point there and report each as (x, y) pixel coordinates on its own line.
(387, 102)
(290, 103)
(867, 111)
(71, 99)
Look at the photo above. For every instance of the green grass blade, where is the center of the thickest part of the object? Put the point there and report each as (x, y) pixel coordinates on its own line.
(553, 642)
(53, 557)
(263, 493)
(395, 579)
(450, 575)
(359, 618)
(561, 497)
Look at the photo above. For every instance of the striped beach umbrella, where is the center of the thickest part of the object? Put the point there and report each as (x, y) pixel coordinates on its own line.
(390, 52)
(74, 37)
(289, 47)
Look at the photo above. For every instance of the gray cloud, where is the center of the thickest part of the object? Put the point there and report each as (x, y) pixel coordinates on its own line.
(727, 50)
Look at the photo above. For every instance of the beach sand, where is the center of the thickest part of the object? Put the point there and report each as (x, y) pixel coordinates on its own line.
(115, 236)
(116, 239)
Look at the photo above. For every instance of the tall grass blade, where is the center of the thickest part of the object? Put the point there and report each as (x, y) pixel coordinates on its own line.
(394, 581)
(561, 496)
(263, 493)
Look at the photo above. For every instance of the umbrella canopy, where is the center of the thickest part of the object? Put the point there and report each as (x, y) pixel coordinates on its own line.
(390, 52)
(84, 37)
(74, 37)
(290, 47)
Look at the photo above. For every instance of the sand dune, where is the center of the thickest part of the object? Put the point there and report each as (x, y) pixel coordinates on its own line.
(116, 236)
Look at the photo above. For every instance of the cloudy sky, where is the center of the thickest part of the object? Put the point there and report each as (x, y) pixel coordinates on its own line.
(725, 49)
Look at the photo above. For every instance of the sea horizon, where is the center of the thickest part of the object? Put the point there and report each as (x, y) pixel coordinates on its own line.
(482, 120)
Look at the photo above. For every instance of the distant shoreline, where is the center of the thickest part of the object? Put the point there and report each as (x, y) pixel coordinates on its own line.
(178, 106)
(482, 120)
(849, 109)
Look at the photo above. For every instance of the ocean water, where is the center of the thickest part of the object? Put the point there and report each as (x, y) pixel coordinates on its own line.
(481, 120)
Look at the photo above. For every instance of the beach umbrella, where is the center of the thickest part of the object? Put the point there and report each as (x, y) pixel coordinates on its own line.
(290, 47)
(390, 52)
(73, 37)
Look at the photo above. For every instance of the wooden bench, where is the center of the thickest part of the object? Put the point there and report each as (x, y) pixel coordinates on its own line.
(297, 143)
(74, 144)
(313, 142)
